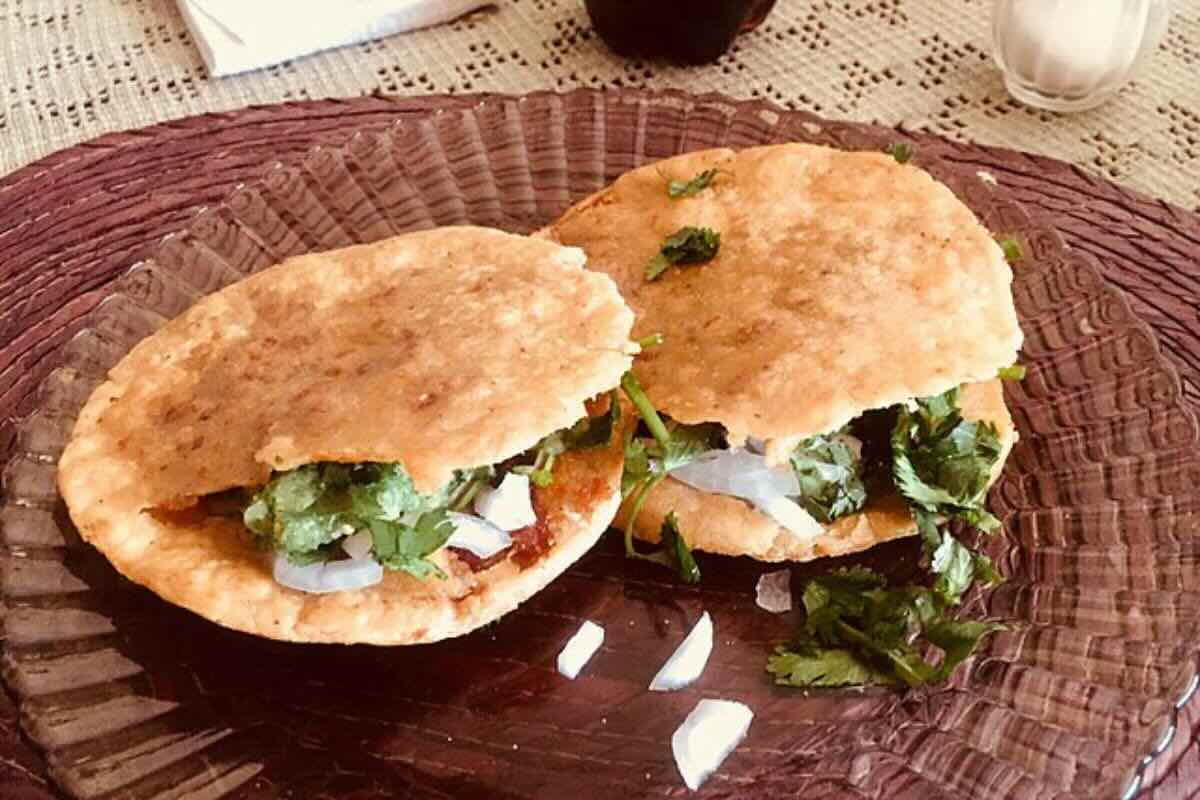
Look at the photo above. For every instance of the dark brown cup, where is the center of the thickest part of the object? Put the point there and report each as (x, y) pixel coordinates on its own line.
(685, 31)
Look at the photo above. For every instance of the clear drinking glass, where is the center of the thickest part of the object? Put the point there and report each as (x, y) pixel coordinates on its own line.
(1071, 55)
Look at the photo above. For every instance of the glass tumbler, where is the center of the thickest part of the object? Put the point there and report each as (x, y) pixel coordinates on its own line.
(1072, 55)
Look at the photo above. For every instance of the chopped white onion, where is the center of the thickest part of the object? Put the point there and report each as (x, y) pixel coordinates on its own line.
(358, 545)
(689, 659)
(327, 576)
(789, 515)
(737, 472)
(508, 506)
(707, 737)
(477, 535)
(754, 445)
(774, 591)
(580, 648)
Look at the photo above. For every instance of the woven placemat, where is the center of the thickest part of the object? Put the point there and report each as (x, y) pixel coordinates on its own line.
(72, 222)
(70, 71)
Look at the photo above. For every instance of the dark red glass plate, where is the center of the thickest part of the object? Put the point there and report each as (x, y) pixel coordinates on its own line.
(132, 698)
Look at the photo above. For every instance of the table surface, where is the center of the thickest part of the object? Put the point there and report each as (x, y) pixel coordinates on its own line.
(71, 70)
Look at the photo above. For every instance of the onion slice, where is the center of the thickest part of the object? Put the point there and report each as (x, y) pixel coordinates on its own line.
(689, 659)
(480, 537)
(737, 472)
(359, 545)
(790, 515)
(509, 506)
(328, 576)
(579, 649)
(773, 592)
(707, 737)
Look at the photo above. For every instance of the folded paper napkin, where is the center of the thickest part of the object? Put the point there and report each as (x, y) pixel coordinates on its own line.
(239, 35)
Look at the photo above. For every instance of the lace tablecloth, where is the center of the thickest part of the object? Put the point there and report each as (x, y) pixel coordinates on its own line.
(71, 70)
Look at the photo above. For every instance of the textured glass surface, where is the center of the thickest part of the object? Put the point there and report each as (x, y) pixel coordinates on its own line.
(133, 698)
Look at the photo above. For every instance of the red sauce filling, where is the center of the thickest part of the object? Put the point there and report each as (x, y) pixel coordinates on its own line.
(529, 545)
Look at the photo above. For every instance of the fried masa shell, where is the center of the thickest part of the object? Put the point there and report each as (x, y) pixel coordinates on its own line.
(441, 350)
(721, 524)
(845, 281)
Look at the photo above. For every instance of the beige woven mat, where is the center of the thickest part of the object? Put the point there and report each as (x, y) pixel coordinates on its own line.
(72, 70)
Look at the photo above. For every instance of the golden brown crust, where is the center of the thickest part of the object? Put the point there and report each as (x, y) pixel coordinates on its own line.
(211, 566)
(442, 350)
(845, 281)
(720, 524)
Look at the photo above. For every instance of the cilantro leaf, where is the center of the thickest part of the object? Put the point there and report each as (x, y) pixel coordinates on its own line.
(647, 463)
(957, 638)
(829, 472)
(859, 631)
(831, 666)
(954, 565)
(258, 518)
(688, 245)
(385, 493)
(687, 443)
(588, 432)
(302, 512)
(1014, 373)
(595, 431)
(653, 340)
(675, 552)
(1013, 251)
(637, 466)
(901, 151)
(297, 489)
(402, 547)
(299, 532)
(679, 189)
(943, 463)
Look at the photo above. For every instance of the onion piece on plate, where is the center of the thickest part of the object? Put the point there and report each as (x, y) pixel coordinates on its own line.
(689, 659)
(579, 649)
(328, 576)
(774, 591)
(480, 537)
(707, 737)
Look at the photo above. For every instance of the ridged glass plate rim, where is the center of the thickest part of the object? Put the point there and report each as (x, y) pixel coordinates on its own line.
(809, 127)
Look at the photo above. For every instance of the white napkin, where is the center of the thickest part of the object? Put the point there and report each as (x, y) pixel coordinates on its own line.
(239, 35)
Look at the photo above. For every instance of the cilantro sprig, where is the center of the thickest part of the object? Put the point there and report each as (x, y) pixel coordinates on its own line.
(858, 629)
(647, 463)
(677, 189)
(829, 472)
(688, 245)
(303, 511)
(591, 431)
